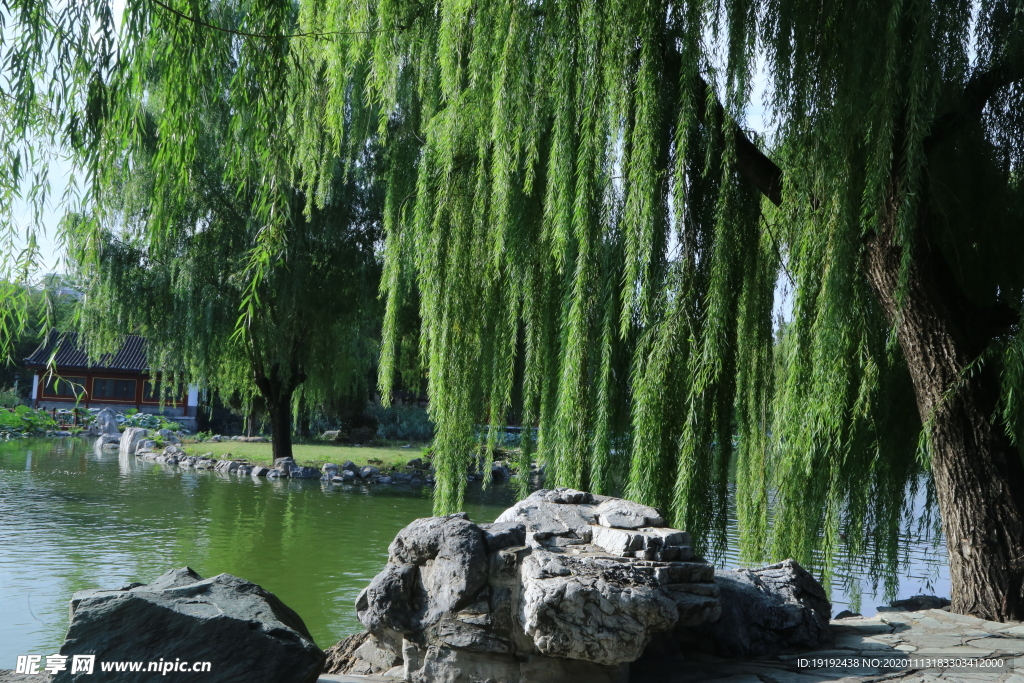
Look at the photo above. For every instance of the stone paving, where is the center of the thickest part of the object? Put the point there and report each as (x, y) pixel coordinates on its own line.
(901, 636)
(913, 638)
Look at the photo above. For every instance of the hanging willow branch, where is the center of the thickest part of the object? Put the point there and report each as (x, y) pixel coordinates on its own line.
(578, 214)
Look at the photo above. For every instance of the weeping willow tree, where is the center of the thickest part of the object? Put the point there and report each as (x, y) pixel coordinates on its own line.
(572, 189)
(181, 269)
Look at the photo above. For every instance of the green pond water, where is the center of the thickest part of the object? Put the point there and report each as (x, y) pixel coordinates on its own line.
(72, 519)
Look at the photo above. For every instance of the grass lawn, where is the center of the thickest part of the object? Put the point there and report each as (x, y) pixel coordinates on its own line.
(308, 454)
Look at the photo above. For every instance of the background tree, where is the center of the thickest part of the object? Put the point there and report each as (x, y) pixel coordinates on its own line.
(579, 174)
(52, 302)
(183, 272)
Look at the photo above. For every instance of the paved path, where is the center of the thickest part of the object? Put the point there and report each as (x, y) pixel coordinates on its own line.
(907, 636)
(901, 636)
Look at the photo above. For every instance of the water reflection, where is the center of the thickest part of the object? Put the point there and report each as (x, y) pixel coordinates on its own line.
(923, 562)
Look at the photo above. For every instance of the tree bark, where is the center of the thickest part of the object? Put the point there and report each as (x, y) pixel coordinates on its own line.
(978, 472)
(277, 390)
(280, 410)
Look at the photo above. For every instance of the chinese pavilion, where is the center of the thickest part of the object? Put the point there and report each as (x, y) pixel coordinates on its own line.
(120, 380)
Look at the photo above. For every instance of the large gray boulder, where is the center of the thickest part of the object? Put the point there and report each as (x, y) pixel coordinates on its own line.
(547, 593)
(131, 439)
(434, 566)
(106, 423)
(244, 631)
(600, 610)
(918, 603)
(766, 611)
(625, 514)
(284, 465)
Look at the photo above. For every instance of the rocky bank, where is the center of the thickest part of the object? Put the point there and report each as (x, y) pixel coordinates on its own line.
(140, 443)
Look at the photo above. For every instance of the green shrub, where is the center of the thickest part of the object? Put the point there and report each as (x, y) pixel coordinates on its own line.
(9, 398)
(134, 418)
(25, 421)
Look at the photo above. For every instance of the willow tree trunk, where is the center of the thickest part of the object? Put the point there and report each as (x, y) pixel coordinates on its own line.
(280, 411)
(277, 389)
(978, 472)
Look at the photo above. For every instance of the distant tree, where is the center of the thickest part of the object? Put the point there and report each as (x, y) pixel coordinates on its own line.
(51, 302)
(300, 327)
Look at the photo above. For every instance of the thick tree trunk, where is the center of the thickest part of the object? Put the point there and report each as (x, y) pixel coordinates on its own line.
(280, 411)
(978, 473)
(277, 390)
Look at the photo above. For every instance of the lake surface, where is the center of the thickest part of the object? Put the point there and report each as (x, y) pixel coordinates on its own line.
(71, 519)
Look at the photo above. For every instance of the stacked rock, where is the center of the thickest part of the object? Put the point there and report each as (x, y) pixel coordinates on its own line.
(565, 585)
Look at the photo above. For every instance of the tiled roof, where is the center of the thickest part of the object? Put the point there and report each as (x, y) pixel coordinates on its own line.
(130, 357)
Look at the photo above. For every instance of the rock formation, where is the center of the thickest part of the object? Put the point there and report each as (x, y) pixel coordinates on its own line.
(919, 602)
(106, 423)
(130, 440)
(770, 610)
(564, 585)
(244, 631)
